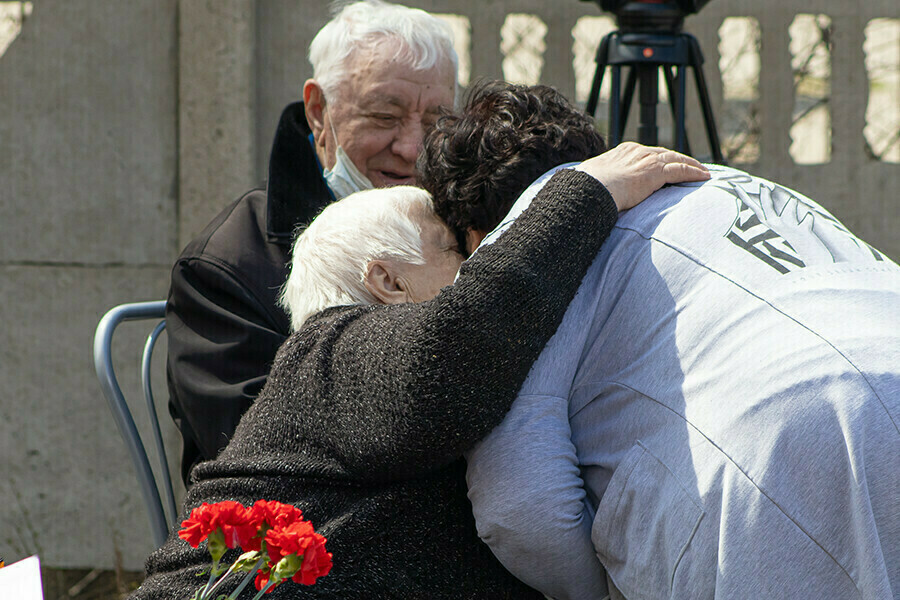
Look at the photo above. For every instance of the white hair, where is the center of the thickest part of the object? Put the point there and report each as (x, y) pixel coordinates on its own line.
(426, 39)
(330, 258)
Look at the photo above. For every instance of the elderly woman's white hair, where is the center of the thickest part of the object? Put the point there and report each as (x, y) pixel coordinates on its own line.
(427, 40)
(330, 258)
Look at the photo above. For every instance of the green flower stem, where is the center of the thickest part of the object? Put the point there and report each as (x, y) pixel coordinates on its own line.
(209, 593)
(209, 584)
(247, 579)
(269, 586)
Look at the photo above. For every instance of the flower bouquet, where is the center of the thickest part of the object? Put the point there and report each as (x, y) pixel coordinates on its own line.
(278, 545)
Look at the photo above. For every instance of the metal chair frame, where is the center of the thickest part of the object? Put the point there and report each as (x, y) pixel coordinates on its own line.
(159, 524)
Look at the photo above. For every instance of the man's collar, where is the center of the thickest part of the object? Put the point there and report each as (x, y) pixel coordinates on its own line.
(296, 190)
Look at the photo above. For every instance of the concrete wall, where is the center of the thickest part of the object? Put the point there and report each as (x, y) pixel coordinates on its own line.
(126, 126)
(89, 197)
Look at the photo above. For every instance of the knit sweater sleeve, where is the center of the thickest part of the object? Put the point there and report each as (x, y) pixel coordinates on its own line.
(395, 391)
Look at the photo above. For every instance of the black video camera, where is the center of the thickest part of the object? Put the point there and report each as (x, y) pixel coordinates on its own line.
(650, 16)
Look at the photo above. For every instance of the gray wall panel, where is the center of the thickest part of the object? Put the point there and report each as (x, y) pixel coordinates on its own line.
(88, 134)
(68, 488)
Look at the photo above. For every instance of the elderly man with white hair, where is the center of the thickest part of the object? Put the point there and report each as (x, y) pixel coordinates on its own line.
(381, 74)
(389, 379)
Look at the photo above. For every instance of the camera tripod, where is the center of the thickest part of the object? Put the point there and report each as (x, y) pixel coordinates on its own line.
(645, 54)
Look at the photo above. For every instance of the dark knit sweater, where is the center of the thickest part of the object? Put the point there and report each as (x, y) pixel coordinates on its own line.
(368, 410)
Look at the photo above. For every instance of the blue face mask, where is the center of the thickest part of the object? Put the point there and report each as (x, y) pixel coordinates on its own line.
(344, 178)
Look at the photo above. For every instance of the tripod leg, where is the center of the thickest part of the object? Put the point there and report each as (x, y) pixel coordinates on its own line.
(696, 61)
(615, 126)
(678, 101)
(627, 97)
(649, 98)
(601, 59)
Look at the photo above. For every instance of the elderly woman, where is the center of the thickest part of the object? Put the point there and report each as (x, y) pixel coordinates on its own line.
(388, 379)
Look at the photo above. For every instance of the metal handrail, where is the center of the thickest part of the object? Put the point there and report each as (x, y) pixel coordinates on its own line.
(154, 419)
(121, 413)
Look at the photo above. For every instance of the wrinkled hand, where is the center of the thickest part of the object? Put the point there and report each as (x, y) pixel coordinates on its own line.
(631, 172)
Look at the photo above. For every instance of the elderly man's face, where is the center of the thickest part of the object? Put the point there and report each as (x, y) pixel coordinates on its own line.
(381, 113)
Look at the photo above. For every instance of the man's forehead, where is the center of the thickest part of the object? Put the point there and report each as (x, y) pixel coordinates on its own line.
(383, 71)
(385, 97)
(420, 93)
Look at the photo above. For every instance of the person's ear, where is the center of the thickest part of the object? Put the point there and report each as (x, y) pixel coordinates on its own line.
(314, 106)
(384, 281)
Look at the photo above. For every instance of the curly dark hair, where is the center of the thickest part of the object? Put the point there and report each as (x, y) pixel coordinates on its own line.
(476, 164)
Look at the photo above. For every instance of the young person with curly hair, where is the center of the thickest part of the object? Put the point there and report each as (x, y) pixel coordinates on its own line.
(717, 415)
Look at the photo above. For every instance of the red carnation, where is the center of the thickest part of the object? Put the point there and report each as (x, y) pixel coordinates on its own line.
(266, 514)
(316, 562)
(275, 513)
(230, 517)
(293, 550)
(299, 539)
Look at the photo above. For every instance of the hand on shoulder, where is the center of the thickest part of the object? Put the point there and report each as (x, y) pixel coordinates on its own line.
(631, 172)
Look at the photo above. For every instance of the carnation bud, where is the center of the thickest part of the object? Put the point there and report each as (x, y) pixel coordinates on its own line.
(247, 561)
(215, 543)
(288, 566)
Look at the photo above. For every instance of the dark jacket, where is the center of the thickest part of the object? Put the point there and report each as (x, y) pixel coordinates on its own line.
(369, 409)
(223, 323)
